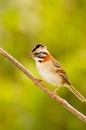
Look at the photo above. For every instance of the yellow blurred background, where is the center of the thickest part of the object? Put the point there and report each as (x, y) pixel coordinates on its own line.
(61, 25)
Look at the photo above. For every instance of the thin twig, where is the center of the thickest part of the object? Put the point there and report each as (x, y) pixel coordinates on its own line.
(58, 99)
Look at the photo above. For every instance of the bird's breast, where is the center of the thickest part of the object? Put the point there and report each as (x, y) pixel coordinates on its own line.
(48, 74)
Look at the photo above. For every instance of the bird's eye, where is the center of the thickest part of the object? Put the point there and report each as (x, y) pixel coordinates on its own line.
(36, 53)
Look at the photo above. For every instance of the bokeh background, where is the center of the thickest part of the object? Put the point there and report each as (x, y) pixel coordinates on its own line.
(59, 24)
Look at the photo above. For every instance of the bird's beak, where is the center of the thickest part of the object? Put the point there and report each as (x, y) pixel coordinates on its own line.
(30, 55)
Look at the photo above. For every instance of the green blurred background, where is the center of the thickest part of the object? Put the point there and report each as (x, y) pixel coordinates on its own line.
(61, 25)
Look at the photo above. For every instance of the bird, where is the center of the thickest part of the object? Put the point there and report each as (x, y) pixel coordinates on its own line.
(51, 70)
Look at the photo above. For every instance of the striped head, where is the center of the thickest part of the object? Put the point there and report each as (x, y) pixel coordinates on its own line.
(39, 53)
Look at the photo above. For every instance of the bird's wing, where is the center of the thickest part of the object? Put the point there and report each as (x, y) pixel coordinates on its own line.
(58, 68)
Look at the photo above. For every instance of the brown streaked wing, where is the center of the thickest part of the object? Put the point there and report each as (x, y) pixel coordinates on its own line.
(61, 71)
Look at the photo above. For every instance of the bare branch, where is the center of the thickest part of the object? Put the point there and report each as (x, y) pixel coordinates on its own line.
(58, 99)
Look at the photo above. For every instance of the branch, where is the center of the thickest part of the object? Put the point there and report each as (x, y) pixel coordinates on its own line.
(58, 99)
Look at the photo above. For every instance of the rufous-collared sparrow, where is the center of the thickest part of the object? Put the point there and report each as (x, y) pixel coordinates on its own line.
(51, 70)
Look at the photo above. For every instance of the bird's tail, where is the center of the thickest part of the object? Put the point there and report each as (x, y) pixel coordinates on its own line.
(77, 94)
